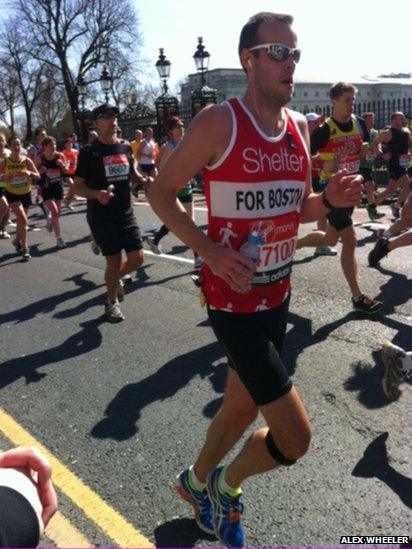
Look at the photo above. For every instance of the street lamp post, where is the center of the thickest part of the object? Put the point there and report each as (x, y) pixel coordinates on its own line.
(166, 104)
(84, 114)
(203, 95)
(106, 82)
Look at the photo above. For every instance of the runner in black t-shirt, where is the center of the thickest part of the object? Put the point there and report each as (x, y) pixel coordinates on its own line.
(105, 168)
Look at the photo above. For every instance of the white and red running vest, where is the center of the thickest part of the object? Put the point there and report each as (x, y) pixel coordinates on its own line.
(258, 185)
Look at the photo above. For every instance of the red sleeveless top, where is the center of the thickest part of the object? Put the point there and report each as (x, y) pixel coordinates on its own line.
(258, 185)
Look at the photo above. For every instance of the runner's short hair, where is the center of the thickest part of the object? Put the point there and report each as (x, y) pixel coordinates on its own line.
(12, 138)
(173, 122)
(248, 35)
(47, 141)
(338, 89)
(397, 113)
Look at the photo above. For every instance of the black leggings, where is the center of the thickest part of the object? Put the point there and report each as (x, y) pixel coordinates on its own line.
(252, 343)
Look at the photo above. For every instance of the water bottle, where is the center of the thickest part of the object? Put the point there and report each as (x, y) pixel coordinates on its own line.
(250, 248)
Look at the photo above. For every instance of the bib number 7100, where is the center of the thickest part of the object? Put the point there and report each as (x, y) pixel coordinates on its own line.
(276, 254)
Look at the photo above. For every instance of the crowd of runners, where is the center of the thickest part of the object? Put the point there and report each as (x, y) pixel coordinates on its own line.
(257, 162)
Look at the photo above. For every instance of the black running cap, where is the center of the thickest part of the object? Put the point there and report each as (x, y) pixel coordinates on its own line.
(104, 109)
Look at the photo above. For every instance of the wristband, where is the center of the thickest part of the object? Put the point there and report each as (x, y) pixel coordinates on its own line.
(326, 202)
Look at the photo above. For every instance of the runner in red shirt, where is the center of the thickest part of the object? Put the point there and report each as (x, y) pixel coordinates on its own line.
(258, 189)
(70, 154)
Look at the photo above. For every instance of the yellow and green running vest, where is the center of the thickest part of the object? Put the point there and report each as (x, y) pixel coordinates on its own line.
(342, 147)
(20, 182)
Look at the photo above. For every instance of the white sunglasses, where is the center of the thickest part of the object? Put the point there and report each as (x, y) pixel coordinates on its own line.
(279, 52)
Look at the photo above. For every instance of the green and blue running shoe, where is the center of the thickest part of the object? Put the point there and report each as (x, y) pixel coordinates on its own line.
(198, 499)
(226, 512)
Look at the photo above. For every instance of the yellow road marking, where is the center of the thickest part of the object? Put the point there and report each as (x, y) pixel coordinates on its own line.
(63, 534)
(106, 518)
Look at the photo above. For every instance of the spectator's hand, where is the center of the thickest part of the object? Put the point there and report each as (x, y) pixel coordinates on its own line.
(233, 267)
(344, 191)
(36, 468)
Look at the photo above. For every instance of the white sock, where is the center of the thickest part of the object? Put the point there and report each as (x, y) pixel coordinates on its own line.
(224, 486)
(194, 481)
(407, 362)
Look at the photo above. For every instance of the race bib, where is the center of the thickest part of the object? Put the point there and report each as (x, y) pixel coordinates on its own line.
(116, 167)
(275, 261)
(19, 181)
(53, 175)
(350, 163)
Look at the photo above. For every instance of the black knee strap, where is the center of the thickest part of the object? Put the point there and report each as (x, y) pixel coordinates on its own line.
(275, 452)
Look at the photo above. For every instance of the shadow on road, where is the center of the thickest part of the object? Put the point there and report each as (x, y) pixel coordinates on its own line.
(375, 464)
(395, 291)
(123, 412)
(180, 533)
(367, 377)
(48, 304)
(35, 250)
(84, 341)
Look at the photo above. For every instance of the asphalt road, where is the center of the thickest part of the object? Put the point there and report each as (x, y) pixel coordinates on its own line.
(125, 407)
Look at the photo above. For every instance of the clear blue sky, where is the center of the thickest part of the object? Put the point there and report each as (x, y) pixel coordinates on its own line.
(339, 40)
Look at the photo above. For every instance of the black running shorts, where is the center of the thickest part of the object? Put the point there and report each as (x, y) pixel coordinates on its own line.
(340, 218)
(395, 171)
(366, 173)
(54, 191)
(25, 199)
(114, 240)
(252, 343)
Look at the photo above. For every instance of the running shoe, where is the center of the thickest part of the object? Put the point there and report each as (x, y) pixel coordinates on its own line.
(126, 279)
(25, 254)
(16, 243)
(4, 234)
(391, 357)
(113, 312)
(396, 211)
(372, 213)
(364, 304)
(379, 251)
(95, 247)
(155, 248)
(325, 250)
(120, 291)
(60, 243)
(67, 205)
(198, 499)
(227, 511)
(49, 225)
(12, 224)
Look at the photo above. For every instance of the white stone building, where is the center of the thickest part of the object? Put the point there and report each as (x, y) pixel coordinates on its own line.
(383, 96)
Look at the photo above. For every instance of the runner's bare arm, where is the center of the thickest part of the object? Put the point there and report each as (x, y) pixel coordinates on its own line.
(383, 137)
(204, 143)
(80, 188)
(33, 172)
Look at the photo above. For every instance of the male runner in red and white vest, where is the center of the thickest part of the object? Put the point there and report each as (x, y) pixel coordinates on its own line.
(257, 180)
